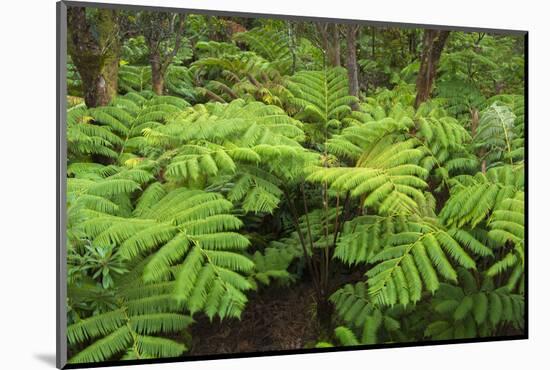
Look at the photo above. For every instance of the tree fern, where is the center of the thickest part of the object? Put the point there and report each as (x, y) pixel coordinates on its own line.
(117, 129)
(497, 135)
(469, 311)
(137, 78)
(507, 229)
(84, 138)
(364, 236)
(256, 150)
(273, 264)
(212, 48)
(387, 177)
(133, 78)
(461, 97)
(354, 307)
(189, 236)
(474, 197)
(321, 98)
(134, 328)
(273, 46)
(414, 261)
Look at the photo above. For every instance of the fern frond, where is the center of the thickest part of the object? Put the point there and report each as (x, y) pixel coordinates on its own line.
(105, 348)
(473, 312)
(321, 96)
(387, 177)
(345, 336)
(413, 260)
(474, 197)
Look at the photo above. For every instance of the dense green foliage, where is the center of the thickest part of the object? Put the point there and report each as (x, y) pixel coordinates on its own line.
(255, 170)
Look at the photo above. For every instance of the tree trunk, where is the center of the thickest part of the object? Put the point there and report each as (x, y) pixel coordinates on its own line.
(156, 29)
(373, 43)
(95, 53)
(353, 75)
(292, 44)
(474, 126)
(157, 74)
(475, 121)
(330, 41)
(433, 43)
(335, 48)
(412, 45)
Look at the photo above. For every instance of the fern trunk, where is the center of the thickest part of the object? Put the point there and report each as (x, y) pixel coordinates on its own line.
(324, 316)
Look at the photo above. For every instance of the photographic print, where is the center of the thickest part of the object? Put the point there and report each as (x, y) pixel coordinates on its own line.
(241, 185)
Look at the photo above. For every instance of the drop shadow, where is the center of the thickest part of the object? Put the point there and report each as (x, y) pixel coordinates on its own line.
(46, 358)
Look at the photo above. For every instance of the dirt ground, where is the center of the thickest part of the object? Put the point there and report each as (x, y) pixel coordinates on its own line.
(275, 319)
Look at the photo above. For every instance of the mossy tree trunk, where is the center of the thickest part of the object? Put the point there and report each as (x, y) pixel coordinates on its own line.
(433, 44)
(95, 51)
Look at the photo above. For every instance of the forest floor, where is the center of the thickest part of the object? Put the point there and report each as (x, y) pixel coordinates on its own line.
(274, 319)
